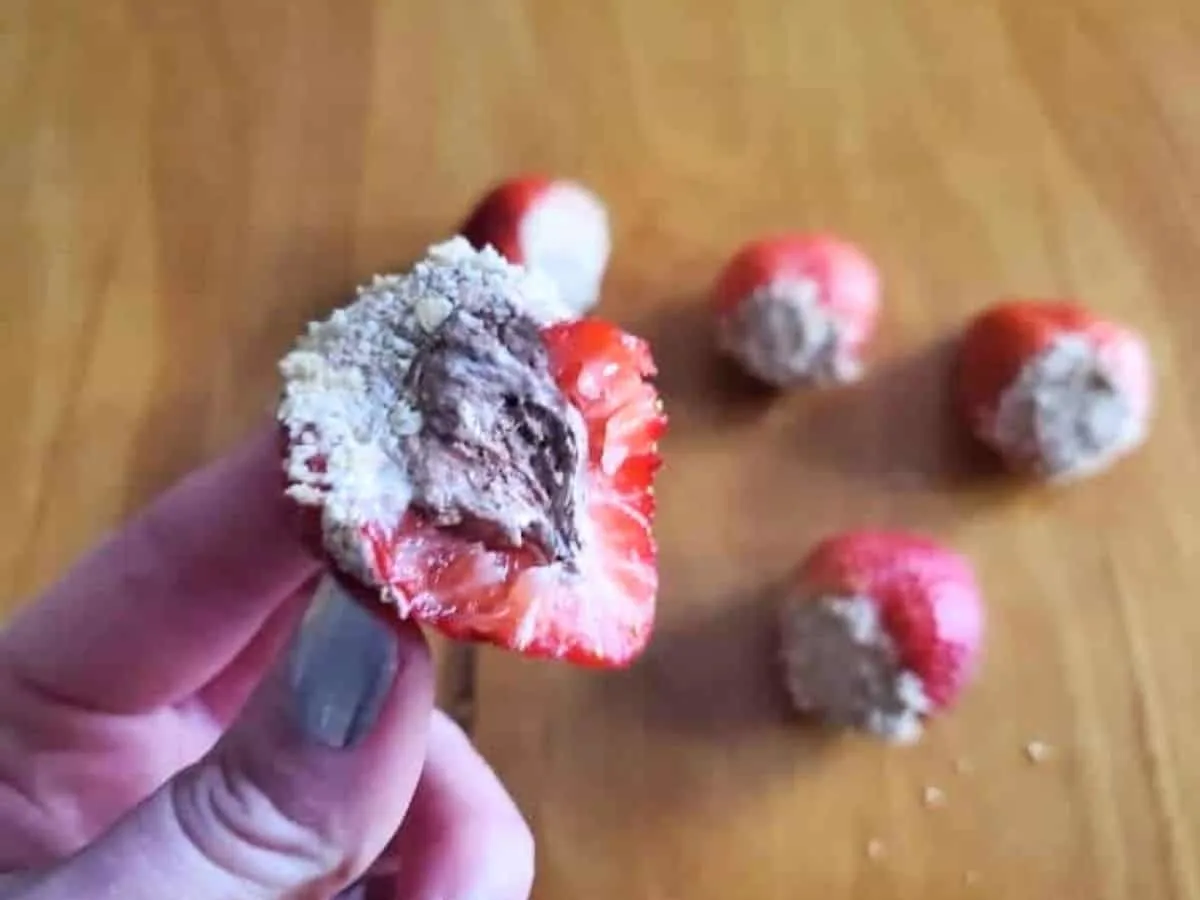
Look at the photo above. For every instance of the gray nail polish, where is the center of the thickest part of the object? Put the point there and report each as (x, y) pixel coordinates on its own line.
(341, 667)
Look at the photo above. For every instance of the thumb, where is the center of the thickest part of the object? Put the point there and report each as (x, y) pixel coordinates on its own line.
(303, 792)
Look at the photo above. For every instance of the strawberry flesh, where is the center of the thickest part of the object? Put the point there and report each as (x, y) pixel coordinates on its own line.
(598, 610)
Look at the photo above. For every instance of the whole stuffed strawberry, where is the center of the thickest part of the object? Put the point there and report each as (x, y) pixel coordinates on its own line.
(798, 309)
(481, 461)
(554, 225)
(1055, 390)
(880, 630)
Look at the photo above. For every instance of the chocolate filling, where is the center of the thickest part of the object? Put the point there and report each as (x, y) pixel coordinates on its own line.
(499, 451)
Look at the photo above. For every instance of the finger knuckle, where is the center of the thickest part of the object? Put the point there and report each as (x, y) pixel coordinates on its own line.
(233, 823)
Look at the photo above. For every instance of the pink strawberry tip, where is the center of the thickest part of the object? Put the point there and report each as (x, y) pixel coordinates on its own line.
(843, 668)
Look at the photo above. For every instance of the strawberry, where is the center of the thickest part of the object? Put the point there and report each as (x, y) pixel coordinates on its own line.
(555, 226)
(1054, 390)
(880, 630)
(795, 309)
(479, 463)
(602, 613)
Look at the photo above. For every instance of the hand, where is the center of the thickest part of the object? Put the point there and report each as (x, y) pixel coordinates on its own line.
(169, 728)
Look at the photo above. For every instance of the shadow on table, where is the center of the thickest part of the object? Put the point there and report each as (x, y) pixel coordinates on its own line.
(713, 679)
(701, 389)
(897, 426)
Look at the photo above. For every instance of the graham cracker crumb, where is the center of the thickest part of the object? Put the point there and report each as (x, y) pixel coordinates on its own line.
(876, 850)
(1038, 752)
(933, 797)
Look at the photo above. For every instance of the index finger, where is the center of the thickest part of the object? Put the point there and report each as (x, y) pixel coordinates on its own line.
(162, 606)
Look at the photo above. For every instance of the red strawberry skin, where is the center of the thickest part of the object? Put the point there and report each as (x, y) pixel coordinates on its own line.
(1002, 339)
(497, 218)
(603, 614)
(847, 280)
(929, 601)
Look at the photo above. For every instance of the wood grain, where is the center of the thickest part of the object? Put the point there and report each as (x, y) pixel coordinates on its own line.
(183, 185)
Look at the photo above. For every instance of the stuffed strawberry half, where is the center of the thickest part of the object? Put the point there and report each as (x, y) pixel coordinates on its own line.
(480, 459)
(1057, 391)
(880, 631)
(798, 309)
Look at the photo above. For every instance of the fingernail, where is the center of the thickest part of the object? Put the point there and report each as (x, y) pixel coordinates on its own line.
(341, 667)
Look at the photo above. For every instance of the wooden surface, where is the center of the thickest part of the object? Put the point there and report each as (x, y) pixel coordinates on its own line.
(183, 184)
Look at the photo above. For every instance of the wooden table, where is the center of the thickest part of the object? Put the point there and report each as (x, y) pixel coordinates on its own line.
(182, 185)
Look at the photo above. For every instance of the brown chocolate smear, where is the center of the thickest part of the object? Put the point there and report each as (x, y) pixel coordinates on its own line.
(500, 450)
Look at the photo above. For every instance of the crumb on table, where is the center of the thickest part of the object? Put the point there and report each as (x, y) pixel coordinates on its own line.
(1038, 751)
(933, 796)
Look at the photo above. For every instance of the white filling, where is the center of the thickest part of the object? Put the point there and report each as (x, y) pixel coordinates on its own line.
(341, 401)
(782, 336)
(842, 666)
(565, 235)
(1065, 416)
